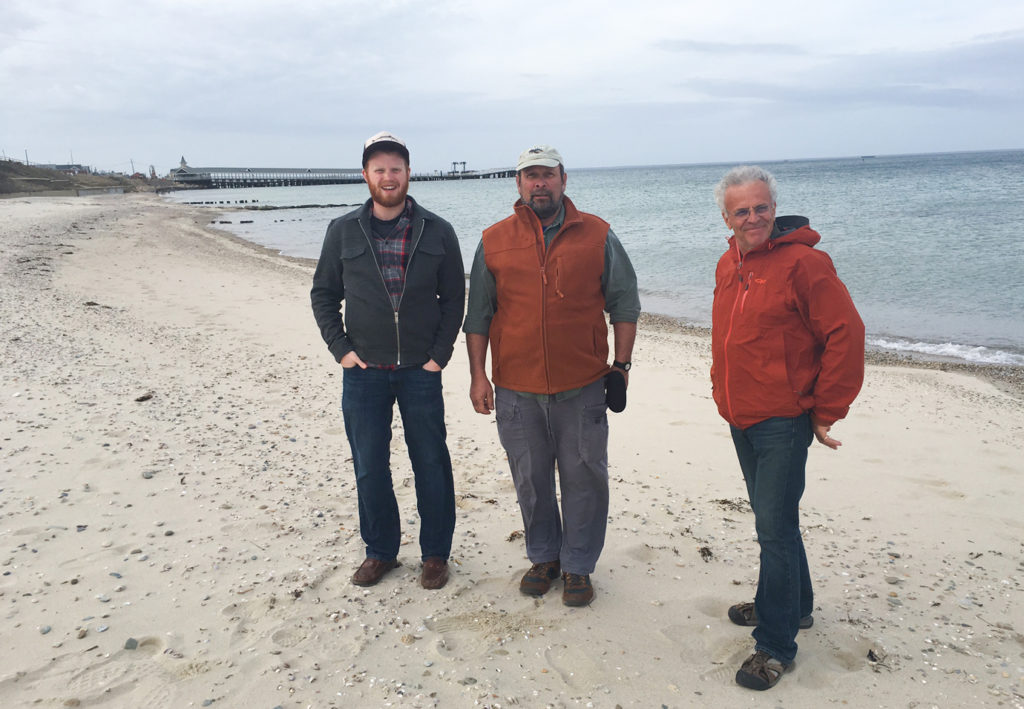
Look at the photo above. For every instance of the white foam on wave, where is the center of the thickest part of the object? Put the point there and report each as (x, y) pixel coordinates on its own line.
(977, 354)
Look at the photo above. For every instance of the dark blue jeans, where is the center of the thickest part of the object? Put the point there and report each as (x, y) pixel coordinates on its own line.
(367, 402)
(773, 457)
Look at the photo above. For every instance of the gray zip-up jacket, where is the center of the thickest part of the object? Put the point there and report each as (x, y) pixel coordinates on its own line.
(426, 322)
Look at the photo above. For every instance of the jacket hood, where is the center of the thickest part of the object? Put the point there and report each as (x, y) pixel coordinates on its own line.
(787, 230)
(793, 230)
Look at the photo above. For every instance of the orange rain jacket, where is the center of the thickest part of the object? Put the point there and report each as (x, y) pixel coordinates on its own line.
(785, 335)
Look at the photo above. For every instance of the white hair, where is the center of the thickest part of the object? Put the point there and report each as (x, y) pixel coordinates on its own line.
(742, 175)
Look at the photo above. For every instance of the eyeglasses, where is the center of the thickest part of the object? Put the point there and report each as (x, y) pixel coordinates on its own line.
(760, 210)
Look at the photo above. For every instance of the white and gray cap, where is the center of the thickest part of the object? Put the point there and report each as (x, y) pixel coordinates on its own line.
(385, 140)
(543, 155)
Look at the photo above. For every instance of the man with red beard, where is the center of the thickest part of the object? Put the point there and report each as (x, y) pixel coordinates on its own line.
(541, 282)
(399, 271)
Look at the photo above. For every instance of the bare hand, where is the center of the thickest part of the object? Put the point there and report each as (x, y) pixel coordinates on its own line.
(351, 360)
(482, 395)
(821, 433)
(432, 366)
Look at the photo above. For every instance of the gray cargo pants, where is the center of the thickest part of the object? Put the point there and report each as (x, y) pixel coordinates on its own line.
(573, 433)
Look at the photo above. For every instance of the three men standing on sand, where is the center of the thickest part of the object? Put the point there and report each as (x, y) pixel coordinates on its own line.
(399, 270)
(541, 282)
(787, 362)
(787, 351)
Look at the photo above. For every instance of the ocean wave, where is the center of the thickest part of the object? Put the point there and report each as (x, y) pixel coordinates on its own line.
(976, 354)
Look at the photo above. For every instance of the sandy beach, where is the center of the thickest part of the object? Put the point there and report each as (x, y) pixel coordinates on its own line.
(178, 521)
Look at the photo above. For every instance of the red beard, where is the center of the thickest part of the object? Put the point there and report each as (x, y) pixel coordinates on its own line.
(389, 198)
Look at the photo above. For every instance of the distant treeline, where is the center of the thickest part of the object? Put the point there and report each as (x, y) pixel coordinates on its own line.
(19, 178)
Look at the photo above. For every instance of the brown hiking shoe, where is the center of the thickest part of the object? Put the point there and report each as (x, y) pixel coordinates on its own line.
(578, 591)
(537, 581)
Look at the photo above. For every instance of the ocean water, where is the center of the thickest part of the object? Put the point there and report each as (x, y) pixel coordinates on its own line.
(926, 244)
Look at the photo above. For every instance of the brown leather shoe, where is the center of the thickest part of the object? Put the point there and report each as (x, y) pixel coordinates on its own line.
(372, 570)
(435, 573)
(537, 580)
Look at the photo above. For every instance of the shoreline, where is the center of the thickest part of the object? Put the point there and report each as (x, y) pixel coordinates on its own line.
(178, 522)
(1009, 376)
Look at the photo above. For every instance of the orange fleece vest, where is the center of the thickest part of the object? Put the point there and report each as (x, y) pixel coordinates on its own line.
(548, 333)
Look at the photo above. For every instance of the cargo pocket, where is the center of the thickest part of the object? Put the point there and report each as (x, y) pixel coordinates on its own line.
(594, 433)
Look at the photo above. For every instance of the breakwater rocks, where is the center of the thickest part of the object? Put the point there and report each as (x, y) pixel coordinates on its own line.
(251, 204)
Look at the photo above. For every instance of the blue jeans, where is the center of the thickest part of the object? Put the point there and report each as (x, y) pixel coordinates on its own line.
(773, 457)
(367, 402)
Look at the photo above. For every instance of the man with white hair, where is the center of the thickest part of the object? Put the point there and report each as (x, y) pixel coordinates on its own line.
(787, 351)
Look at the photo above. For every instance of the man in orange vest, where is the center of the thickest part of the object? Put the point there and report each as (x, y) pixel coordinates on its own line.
(541, 282)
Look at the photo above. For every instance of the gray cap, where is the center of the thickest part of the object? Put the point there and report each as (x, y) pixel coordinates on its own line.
(543, 155)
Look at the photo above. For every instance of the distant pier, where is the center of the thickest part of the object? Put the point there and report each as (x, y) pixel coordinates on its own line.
(224, 177)
(466, 175)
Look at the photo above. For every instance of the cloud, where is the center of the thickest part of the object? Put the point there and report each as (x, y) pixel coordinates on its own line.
(291, 84)
(729, 48)
(981, 73)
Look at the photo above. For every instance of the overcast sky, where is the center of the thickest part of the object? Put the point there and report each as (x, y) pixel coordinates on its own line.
(251, 83)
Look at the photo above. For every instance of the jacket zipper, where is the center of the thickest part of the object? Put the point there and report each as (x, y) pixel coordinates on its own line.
(746, 290)
(542, 256)
(412, 250)
(741, 299)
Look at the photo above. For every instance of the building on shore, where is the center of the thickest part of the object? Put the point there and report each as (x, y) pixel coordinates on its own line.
(260, 176)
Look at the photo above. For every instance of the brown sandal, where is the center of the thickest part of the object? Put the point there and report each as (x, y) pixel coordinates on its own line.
(760, 671)
(745, 614)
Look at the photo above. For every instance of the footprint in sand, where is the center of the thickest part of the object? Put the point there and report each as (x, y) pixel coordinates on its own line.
(940, 487)
(132, 680)
(711, 606)
(725, 656)
(575, 666)
(249, 618)
(288, 636)
(690, 641)
(482, 631)
(839, 656)
(123, 673)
